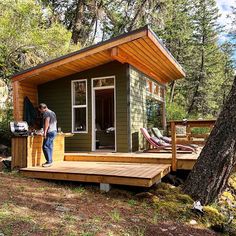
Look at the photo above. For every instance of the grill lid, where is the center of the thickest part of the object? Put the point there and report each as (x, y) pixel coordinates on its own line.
(19, 128)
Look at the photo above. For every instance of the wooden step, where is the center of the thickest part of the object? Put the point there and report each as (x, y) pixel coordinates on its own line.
(165, 158)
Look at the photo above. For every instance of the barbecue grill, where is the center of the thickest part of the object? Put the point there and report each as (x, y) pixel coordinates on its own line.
(19, 128)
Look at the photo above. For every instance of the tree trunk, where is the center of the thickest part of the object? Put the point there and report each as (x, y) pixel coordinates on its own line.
(77, 31)
(133, 21)
(172, 91)
(210, 174)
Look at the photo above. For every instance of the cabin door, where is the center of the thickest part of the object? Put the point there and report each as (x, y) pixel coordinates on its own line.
(103, 114)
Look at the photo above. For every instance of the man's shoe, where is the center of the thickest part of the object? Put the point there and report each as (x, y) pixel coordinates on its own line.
(46, 164)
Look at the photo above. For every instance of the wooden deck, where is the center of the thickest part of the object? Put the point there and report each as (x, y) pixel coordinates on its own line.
(135, 169)
(136, 174)
(185, 161)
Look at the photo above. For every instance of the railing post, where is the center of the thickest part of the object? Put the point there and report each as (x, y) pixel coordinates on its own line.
(188, 133)
(173, 141)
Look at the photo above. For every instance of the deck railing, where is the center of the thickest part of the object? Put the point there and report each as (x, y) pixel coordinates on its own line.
(192, 135)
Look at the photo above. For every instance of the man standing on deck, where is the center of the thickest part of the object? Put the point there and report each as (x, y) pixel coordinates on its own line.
(49, 132)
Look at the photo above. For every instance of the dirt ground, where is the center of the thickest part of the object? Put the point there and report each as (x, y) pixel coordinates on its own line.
(35, 207)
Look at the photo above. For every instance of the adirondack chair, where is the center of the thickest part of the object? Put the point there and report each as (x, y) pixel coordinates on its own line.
(157, 133)
(159, 144)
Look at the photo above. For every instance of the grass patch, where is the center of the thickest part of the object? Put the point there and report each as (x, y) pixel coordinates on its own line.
(4, 214)
(115, 216)
(79, 190)
(11, 224)
(69, 219)
(42, 189)
(132, 202)
(87, 234)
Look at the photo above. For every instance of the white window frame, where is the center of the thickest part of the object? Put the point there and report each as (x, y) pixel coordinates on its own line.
(79, 106)
(93, 89)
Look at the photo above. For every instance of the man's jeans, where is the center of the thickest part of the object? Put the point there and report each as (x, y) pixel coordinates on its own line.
(48, 146)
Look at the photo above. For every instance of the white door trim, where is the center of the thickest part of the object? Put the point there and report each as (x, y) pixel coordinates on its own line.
(93, 89)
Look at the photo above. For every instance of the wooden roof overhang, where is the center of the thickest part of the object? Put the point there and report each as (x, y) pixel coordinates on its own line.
(140, 48)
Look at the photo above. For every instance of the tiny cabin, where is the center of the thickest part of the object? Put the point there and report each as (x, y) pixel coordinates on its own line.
(102, 94)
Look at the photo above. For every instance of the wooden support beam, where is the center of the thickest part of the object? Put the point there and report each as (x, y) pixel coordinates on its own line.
(123, 57)
(16, 102)
(164, 124)
(174, 149)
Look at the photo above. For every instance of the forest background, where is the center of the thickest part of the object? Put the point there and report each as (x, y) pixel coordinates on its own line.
(32, 32)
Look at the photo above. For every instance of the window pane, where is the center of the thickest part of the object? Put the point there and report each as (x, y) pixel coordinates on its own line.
(162, 92)
(155, 89)
(103, 82)
(149, 86)
(80, 119)
(79, 93)
(154, 113)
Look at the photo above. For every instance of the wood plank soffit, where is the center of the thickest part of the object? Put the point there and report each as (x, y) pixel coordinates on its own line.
(80, 55)
(120, 55)
(175, 64)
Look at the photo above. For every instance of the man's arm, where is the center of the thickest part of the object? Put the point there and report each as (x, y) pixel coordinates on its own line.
(46, 126)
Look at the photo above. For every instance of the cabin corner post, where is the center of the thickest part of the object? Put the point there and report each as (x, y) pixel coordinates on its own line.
(164, 123)
(174, 152)
(16, 105)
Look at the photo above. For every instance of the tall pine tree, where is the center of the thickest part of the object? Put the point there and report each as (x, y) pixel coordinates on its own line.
(176, 35)
(206, 57)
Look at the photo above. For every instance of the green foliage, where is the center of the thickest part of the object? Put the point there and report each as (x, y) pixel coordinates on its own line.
(27, 38)
(213, 216)
(32, 32)
(200, 130)
(175, 112)
(79, 190)
(132, 202)
(115, 215)
(5, 134)
(188, 28)
(153, 113)
(174, 205)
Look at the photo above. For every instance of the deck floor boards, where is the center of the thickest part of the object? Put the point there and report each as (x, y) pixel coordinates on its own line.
(137, 174)
(137, 169)
(103, 168)
(184, 160)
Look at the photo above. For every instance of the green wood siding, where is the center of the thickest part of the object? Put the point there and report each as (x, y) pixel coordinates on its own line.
(57, 95)
(138, 113)
(137, 108)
